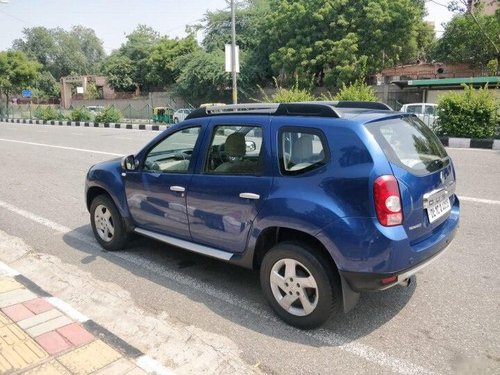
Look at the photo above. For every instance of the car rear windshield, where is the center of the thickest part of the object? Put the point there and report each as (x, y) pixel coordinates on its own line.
(408, 142)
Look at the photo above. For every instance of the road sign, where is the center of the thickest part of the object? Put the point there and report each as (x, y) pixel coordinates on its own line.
(26, 93)
(228, 54)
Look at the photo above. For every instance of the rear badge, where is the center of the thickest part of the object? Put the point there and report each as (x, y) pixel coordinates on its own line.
(416, 226)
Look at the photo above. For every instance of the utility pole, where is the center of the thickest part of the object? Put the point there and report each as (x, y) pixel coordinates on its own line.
(233, 51)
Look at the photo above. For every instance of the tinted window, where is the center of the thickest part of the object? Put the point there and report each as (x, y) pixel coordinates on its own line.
(173, 154)
(235, 150)
(417, 109)
(410, 143)
(429, 109)
(301, 150)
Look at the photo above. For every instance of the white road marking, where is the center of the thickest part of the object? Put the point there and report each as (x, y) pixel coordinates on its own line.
(327, 337)
(61, 147)
(152, 366)
(5, 270)
(67, 309)
(478, 200)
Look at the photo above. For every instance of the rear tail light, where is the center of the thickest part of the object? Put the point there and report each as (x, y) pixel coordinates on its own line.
(387, 201)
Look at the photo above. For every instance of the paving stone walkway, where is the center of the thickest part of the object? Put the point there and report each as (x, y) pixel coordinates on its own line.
(38, 338)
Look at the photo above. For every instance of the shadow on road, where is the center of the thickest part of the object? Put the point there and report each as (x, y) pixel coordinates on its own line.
(233, 292)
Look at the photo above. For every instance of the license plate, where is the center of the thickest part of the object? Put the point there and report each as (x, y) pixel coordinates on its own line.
(438, 209)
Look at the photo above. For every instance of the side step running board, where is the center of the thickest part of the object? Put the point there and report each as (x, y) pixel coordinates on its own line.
(196, 248)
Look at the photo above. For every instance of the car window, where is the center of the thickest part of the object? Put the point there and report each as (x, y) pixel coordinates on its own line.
(235, 150)
(409, 143)
(429, 109)
(301, 151)
(417, 109)
(173, 154)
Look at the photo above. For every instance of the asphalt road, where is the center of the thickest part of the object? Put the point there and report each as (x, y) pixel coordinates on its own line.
(445, 322)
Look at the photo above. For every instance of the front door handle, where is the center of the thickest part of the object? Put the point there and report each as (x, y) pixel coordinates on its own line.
(179, 189)
(249, 196)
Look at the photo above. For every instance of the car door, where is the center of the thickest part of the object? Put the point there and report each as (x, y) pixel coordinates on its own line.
(232, 183)
(156, 192)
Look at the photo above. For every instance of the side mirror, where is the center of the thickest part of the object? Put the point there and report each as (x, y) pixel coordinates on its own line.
(250, 146)
(129, 163)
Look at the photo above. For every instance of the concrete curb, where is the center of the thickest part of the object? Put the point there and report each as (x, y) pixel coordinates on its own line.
(488, 144)
(152, 127)
(143, 361)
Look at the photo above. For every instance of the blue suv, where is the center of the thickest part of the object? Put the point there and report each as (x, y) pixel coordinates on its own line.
(326, 199)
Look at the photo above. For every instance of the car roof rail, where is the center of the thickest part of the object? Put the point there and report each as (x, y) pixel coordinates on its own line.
(319, 109)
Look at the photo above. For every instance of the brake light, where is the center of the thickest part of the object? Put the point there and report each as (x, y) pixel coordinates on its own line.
(387, 201)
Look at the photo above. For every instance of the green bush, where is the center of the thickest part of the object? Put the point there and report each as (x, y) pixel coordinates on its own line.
(358, 91)
(81, 114)
(109, 114)
(284, 95)
(470, 114)
(48, 114)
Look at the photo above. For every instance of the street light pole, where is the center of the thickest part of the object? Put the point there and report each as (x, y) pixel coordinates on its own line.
(233, 51)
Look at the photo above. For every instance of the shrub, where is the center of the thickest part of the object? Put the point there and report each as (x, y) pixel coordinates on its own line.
(109, 114)
(358, 91)
(284, 95)
(48, 114)
(81, 114)
(471, 113)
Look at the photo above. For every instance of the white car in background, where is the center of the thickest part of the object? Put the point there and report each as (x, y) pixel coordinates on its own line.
(427, 112)
(181, 114)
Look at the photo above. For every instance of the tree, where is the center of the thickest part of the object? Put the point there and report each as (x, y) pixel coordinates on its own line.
(460, 40)
(16, 72)
(341, 41)
(61, 52)
(202, 77)
(163, 69)
(250, 37)
(120, 72)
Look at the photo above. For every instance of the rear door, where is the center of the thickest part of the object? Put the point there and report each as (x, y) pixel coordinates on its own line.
(424, 172)
(232, 184)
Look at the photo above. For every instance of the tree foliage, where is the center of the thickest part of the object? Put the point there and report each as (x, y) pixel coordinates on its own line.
(61, 53)
(341, 41)
(120, 72)
(162, 63)
(202, 77)
(17, 72)
(464, 40)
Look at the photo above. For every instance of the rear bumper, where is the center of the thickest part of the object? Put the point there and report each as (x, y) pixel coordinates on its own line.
(366, 281)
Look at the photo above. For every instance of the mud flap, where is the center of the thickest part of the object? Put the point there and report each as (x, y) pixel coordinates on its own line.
(349, 296)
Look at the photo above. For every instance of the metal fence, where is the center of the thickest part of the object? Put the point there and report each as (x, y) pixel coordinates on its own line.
(130, 113)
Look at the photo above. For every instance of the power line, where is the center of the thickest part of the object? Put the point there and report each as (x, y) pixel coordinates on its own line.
(438, 3)
(16, 18)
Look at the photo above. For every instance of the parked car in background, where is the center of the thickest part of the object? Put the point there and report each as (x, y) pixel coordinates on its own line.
(181, 114)
(95, 108)
(326, 199)
(424, 111)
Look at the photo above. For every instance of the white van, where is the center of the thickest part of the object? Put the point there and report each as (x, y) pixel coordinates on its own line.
(424, 111)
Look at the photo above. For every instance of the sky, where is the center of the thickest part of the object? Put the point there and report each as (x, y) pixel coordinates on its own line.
(113, 19)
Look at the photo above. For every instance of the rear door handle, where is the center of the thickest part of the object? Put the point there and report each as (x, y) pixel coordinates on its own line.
(249, 196)
(179, 189)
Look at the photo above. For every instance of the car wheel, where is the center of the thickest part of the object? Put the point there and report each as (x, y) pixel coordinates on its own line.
(107, 224)
(299, 285)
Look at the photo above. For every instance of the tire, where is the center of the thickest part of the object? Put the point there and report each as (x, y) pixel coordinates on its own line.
(321, 296)
(107, 224)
